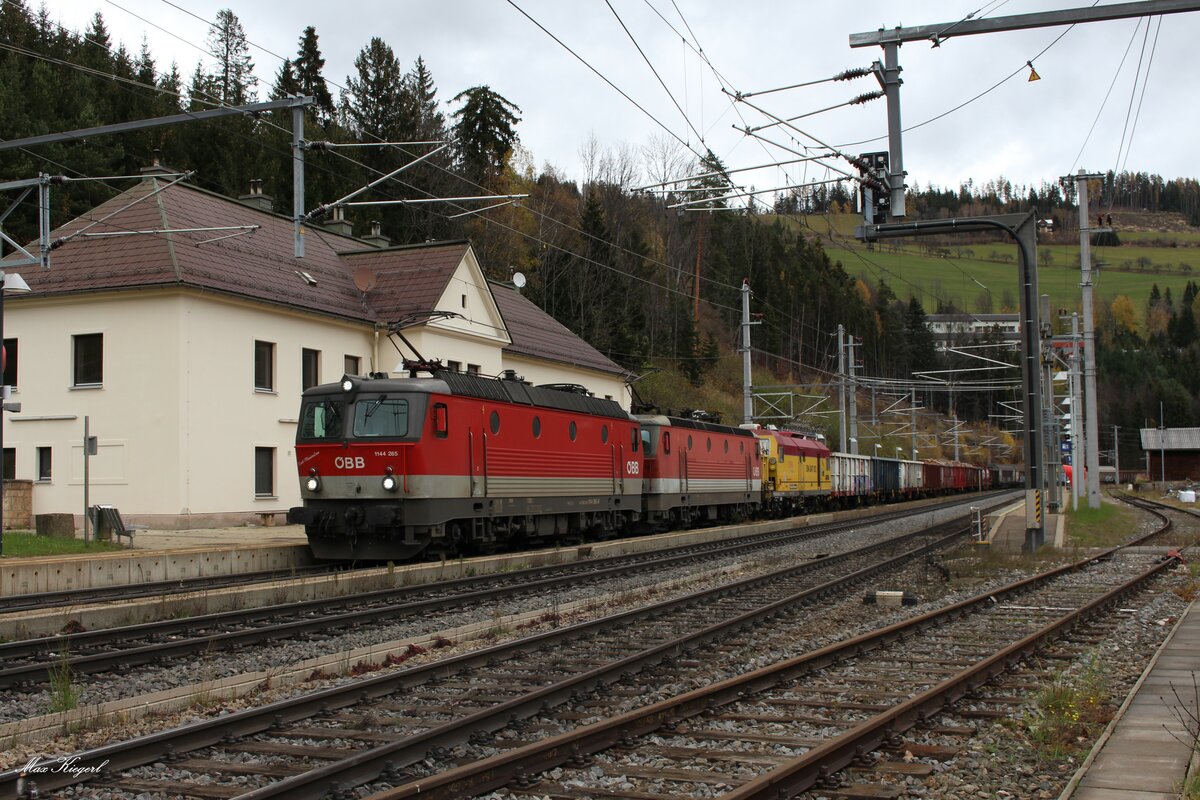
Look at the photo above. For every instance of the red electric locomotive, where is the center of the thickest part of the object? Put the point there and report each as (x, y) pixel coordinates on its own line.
(698, 471)
(391, 468)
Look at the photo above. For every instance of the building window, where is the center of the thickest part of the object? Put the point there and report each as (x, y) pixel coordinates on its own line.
(353, 365)
(264, 472)
(472, 369)
(310, 368)
(89, 359)
(10, 362)
(454, 366)
(43, 463)
(264, 366)
(10, 463)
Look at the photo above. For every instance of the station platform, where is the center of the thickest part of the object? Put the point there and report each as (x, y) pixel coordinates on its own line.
(162, 556)
(1146, 751)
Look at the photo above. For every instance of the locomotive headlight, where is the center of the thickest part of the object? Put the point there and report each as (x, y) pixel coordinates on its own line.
(313, 482)
(347, 385)
(389, 483)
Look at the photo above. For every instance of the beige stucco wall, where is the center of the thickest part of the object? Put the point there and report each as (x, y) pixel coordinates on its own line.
(177, 416)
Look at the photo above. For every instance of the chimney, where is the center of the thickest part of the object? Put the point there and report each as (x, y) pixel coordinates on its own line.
(156, 167)
(256, 198)
(338, 223)
(376, 237)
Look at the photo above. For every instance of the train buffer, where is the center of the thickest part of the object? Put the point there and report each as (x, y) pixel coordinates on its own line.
(107, 523)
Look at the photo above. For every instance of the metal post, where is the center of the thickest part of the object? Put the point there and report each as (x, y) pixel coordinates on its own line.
(1091, 430)
(841, 334)
(1162, 445)
(747, 378)
(298, 179)
(86, 484)
(1116, 456)
(891, 90)
(852, 395)
(913, 421)
(1076, 409)
(2, 390)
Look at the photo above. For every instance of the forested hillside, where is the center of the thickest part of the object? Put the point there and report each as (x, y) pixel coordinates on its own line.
(616, 266)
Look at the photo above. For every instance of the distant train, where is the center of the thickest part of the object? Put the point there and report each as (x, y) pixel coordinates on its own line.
(396, 468)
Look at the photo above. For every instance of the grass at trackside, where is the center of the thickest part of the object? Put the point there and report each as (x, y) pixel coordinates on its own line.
(23, 544)
(1108, 525)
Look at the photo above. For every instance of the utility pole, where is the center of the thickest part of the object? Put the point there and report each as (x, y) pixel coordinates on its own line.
(1116, 455)
(1091, 424)
(747, 378)
(1077, 448)
(913, 420)
(852, 395)
(842, 387)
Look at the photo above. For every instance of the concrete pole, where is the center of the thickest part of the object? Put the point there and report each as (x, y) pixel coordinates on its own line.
(842, 387)
(1091, 430)
(913, 421)
(747, 378)
(1116, 455)
(1076, 409)
(852, 395)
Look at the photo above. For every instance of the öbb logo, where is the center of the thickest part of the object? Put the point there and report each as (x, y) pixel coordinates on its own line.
(349, 462)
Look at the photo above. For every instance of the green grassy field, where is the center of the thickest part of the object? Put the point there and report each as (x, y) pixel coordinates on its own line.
(22, 544)
(965, 274)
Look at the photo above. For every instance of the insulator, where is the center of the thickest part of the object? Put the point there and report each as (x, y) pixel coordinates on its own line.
(866, 98)
(851, 74)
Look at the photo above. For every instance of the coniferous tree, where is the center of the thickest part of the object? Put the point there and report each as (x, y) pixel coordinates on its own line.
(485, 132)
(310, 80)
(233, 79)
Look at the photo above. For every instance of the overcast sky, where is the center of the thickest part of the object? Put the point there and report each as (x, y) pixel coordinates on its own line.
(1027, 131)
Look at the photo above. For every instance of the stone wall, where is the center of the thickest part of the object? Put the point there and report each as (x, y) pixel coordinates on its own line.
(18, 504)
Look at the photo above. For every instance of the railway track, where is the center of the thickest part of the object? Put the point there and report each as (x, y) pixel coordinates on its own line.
(795, 724)
(30, 663)
(344, 736)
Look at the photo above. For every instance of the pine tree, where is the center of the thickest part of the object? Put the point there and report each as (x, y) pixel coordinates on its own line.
(310, 81)
(485, 132)
(233, 79)
(374, 93)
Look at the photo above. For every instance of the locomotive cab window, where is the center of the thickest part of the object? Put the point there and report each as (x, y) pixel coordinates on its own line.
(647, 442)
(380, 416)
(633, 440)
(322, 419)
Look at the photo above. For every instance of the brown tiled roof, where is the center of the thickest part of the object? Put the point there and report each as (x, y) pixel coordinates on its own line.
(535, 333)
(409, 279)
(260, 266)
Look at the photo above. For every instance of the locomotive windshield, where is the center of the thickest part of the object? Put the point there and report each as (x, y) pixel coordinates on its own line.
(380, 417)
(323, 419)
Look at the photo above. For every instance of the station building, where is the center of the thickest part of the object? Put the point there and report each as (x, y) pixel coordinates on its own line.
(180, 325)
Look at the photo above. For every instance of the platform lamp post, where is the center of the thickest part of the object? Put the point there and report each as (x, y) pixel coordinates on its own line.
(12, 282)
